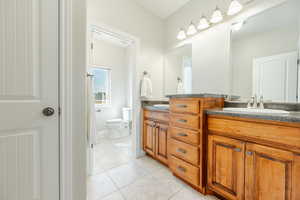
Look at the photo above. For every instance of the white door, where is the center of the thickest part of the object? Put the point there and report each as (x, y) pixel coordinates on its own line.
(29, 140)
(275, 77)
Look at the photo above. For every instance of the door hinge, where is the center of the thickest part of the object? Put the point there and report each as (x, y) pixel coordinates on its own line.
(298, 62)
(92, 46)
(59, 111)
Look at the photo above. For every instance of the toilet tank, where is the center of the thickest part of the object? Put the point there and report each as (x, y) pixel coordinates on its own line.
(127, 114)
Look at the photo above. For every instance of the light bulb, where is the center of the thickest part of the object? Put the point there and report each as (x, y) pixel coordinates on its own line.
(203, 23)
(237, 26)
(234, 7)
(181, 35)
(192, 29)
(217, 16)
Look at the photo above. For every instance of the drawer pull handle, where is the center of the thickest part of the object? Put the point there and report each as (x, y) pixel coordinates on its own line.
(182, 134)
(181, 151)
(181, 106)
(182, 120)
(230, 147)
(182, 169)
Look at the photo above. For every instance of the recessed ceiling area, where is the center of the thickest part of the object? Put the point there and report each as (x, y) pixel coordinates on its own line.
(162, 8)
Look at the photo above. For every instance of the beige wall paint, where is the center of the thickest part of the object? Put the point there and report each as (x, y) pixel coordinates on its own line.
(127, 16)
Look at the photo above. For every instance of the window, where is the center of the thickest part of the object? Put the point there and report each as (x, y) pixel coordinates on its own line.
(102, 85)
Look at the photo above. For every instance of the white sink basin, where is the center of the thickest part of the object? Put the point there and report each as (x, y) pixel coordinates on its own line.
(166, 106)
(256, 110)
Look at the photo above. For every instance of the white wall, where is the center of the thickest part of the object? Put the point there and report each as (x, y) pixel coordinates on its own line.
(115, 58)
(245, 49)
(127, 16)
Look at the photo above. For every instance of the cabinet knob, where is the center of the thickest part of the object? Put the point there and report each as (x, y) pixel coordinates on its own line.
(249, 153)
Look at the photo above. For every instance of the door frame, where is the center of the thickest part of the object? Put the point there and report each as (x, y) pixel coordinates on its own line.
(133, 50)
(72, 66)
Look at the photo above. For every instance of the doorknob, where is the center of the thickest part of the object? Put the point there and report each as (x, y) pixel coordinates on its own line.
(48, 111)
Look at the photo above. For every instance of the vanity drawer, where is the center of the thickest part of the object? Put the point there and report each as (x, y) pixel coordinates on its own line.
(185, 170)
(188, 136)
(185, 121)
(184, 151)
(184, 106)
(162, 116)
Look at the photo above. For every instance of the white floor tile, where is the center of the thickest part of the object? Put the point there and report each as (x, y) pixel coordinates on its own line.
(126, 174)
(191, 194)
(149, 188)
(99, 186)
(114, 196)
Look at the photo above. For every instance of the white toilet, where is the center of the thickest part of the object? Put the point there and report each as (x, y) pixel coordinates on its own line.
(119, 124)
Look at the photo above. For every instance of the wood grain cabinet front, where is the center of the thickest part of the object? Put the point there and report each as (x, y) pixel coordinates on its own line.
(161, 152)
(149, 137)
(226, 166)
(270, 173)
(253, 169)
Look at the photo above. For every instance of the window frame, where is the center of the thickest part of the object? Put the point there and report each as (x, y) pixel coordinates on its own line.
(109, 89)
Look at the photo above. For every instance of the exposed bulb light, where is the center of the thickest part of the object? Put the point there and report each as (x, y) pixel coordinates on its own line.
(217, 16)
(237, 26)
(203, 23)
(234, 7)
(192, 29)
(181, 35)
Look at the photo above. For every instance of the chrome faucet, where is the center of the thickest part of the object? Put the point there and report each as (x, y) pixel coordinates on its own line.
(252, 103)
(261, 102)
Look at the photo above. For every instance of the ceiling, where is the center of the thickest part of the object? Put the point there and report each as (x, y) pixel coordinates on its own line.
(283, 16)
(162, 8)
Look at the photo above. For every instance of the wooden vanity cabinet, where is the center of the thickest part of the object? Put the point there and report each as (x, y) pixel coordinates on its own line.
(249, 168)
(187, 146)
(155, 134)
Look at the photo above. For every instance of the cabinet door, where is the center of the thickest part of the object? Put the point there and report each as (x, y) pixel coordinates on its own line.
(162, 143)
(226, 159)
(270, 173)
(149, 137)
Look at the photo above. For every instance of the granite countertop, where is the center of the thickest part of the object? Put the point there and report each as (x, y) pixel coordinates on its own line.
(201, 95)
(290, 117)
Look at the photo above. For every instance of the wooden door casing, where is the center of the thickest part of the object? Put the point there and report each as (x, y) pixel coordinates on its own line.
(149, 137)
(269, 173)
(161, 152)
(226, 159)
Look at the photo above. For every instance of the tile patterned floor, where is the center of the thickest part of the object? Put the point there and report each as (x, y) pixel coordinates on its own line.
(121, 177)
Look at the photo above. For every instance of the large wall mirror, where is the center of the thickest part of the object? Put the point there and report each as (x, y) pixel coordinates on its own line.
(264, 54)
(178, 70)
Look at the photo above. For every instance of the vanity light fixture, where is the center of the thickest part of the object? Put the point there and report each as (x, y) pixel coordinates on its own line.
(237, 26)
(181, 35)
(234, 7)
(192, 29)
(203, 23)
(216, 16)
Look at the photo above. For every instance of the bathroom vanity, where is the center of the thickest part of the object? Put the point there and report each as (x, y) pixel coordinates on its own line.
(177, 136)
(234, 154)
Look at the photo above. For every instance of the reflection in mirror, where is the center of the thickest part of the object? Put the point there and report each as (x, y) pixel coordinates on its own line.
(178, 70)
(265, 53)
